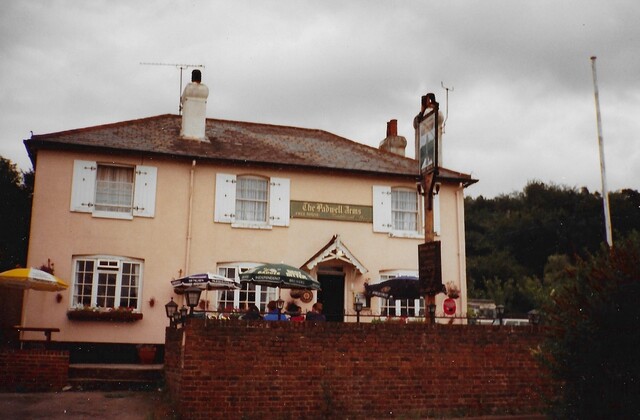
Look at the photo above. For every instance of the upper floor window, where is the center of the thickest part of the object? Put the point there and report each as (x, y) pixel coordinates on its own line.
(115, 191)
(107, 282)
(252, 198)
(397, 211)
(404, 209)
(251, 201)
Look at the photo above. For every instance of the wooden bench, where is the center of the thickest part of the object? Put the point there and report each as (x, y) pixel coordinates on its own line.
(46, 330)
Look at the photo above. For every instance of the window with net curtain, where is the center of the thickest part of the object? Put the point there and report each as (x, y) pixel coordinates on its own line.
(114, 189)
(404, 209)
(252, 198)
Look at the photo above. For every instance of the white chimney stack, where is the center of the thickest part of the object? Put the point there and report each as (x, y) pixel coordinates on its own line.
(194, 108)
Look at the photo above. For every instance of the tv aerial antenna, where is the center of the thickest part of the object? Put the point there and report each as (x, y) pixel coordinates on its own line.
(181, 67)
(446, 116)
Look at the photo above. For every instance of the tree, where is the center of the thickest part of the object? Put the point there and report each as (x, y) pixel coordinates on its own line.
(593, 323)
(511, 239)
(16, 190)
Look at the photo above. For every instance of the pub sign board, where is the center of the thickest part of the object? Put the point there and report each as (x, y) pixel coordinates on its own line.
(430, 268)
(331, 211)
(427, 142)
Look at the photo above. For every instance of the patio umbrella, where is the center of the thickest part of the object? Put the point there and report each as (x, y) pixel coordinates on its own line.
(206, 281)
(31, 278)
(280, 275)
(403, 287)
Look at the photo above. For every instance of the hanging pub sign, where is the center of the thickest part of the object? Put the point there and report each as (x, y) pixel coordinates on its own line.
(426, 126)
(430, 268)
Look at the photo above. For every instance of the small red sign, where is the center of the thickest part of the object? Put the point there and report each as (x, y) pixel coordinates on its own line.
(449, 306)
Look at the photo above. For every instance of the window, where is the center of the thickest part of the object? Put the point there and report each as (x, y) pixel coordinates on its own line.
(251, 201)
(403, 307)
(249, 293)
(400, 307)
(115, 191)
(397, 211)
(107, 282)
(404, 209)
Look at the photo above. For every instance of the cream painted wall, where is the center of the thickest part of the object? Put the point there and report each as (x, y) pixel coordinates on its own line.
(161, 242)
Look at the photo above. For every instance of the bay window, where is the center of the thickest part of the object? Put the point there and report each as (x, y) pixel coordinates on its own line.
(107, 282)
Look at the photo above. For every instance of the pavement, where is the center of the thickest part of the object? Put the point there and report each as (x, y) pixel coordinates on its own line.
(123, 405)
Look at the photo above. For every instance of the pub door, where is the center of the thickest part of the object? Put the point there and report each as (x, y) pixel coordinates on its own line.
(332, 296)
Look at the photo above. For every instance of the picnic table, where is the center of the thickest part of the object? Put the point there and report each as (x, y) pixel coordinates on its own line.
(46, 330)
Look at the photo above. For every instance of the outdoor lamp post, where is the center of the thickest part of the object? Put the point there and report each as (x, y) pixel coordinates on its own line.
(357, 305)
(183, 314)
(500, 312)
(280, 304)
(171, 308)
(534, 317)
(432, 312)
(192, 295)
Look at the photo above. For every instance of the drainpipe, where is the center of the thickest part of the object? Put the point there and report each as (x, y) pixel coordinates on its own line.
(462, 265)
(187, 255)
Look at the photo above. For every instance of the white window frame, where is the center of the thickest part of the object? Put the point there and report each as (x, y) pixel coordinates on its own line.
(412, 308)
(248, 201)
(278, 202)
(83, 190)
(413, 213)
(383, 214)
(103, 265)
(261, 294)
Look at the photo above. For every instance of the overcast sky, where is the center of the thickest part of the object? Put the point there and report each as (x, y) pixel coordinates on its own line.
(521, 101)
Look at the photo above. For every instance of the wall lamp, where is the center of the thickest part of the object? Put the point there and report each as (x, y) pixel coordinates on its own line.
(357, 306)
(500, 312)
(534, 317)
(432, 312)
(192, 296)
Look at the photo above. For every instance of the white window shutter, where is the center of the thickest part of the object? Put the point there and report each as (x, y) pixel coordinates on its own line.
(381, 209)
(144, 193)
(225, 205)
(279, 208)
(83, 185)
(436, 214)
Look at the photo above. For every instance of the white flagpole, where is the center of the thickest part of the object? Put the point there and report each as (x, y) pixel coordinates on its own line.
(605, 193)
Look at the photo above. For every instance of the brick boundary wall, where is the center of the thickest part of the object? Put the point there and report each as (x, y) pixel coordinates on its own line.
(237, 369)
(33, 370)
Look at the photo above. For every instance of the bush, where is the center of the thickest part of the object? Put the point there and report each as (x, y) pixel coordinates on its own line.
(594, 336)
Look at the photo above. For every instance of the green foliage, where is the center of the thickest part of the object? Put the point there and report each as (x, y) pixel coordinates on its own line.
(518, 244)
(593, 339)
(15, 214)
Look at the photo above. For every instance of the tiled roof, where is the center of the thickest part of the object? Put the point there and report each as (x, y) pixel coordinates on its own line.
(238, 143)
(231, 141)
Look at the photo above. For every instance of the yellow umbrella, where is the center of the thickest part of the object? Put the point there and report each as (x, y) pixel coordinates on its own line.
(31, 278)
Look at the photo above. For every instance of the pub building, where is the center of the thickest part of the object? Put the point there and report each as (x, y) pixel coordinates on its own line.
(122, 209)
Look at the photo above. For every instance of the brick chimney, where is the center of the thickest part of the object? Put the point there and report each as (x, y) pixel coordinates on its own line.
(194, 108)
(393, 142)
